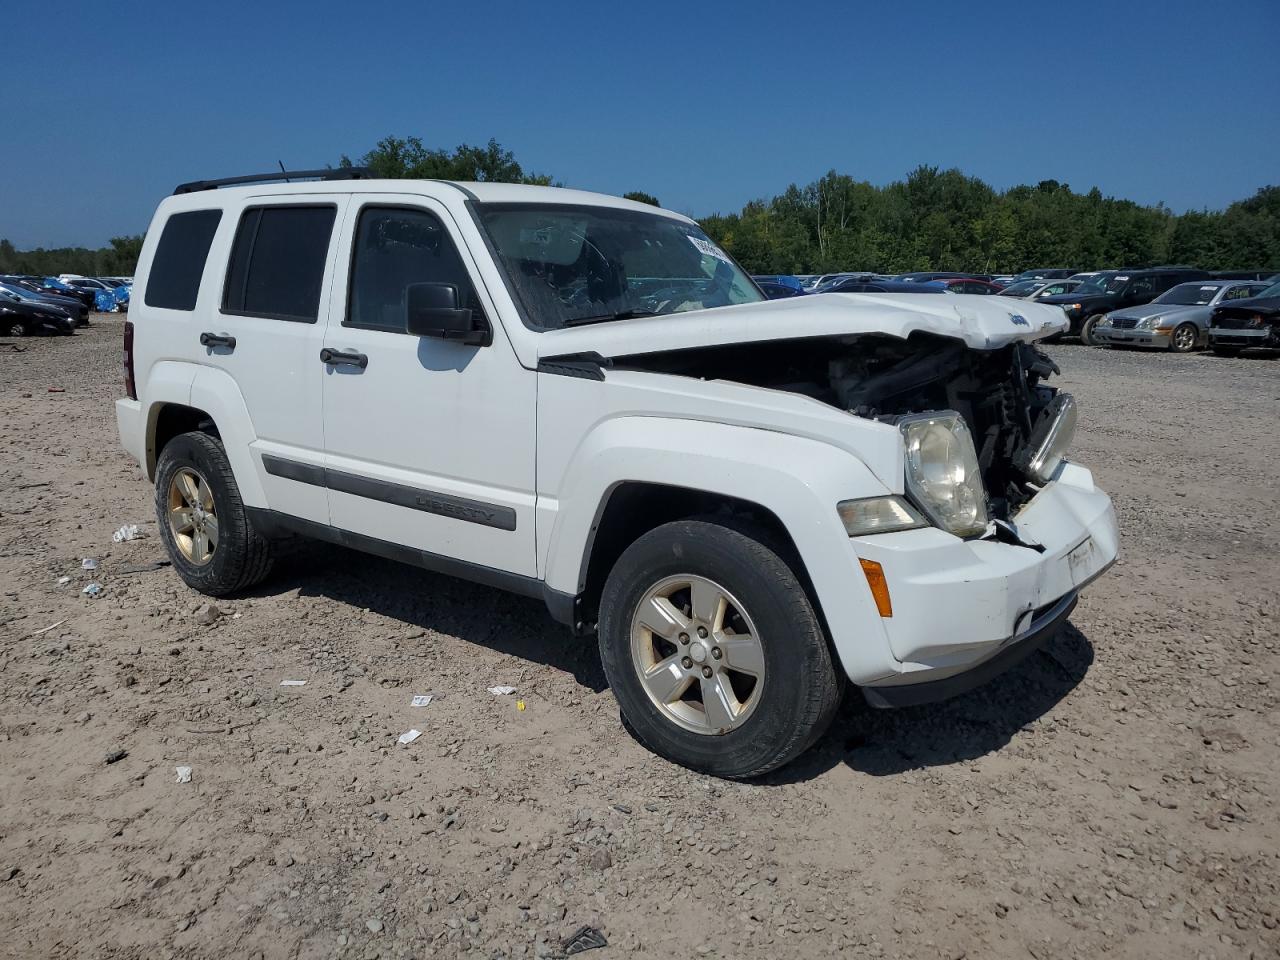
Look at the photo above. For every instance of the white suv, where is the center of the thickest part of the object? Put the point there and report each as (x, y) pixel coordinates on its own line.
(584, 399)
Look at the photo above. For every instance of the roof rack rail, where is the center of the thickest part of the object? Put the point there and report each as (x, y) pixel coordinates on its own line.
(340, 173)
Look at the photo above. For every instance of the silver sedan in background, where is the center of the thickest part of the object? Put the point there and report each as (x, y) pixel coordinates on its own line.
(1177, 320)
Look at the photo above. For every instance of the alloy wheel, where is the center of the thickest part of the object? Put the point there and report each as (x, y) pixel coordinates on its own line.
(697, 654)
(193, 519)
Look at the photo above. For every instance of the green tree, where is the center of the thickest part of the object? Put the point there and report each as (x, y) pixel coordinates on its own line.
(641, 197)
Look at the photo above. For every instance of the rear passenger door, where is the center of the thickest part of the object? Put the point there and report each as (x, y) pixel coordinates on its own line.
(279, 264)
(430, 442)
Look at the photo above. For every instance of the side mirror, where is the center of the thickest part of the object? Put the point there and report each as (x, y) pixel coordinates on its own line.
(433, 311)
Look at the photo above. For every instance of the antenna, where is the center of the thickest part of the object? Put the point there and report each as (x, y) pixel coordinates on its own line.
(284, 171)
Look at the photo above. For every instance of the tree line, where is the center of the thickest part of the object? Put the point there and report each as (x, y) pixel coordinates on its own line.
(933, 220)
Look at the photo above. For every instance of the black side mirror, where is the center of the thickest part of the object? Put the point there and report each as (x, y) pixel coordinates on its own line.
(433, 311)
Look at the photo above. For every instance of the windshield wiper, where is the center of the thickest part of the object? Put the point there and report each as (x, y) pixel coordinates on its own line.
(621, 315)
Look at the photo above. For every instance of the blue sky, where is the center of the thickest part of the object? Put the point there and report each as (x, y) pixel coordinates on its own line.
(707, 105)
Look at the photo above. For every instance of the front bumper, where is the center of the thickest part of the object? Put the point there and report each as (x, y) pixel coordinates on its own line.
(964, 606)
(1261, 337)
(1130, 337)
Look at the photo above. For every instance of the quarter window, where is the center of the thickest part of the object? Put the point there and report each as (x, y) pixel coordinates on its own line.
(277, 262)
(397, 247)
(178, 265)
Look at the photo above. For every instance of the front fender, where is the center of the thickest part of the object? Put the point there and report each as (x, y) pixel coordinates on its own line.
(799, 480)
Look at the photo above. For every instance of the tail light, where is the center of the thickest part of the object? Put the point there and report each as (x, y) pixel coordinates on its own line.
(130, 387)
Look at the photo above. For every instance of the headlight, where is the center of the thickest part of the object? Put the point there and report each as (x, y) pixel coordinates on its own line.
(942, 472)
(1050, 439)
(878, 515)
(1146, 323)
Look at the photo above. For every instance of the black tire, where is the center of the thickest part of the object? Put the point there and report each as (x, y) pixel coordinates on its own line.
(242, 556)
(15, 328)
(1086, 329)
(1189, 343)
(801, 685)
(1226, 351)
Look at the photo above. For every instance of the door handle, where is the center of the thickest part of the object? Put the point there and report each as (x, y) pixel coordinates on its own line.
(217, 340)
(343, 358)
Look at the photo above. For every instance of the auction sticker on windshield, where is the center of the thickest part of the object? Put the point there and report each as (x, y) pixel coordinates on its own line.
(709, 249)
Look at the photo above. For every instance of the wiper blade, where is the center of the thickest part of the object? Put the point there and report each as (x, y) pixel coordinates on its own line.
(621, 315)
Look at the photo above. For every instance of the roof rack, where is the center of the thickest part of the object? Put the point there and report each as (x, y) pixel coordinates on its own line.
(340, 173)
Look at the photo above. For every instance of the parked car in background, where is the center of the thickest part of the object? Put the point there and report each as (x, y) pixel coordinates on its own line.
(1178, 319)
(1248, 323)
(779, 291)
(21, 318)
(1044, 273)
(105, 300)
(1002, 279)
(967, 285)
(74, 307)
(1053, 288)
(1111, 290)
(1023, 289)
(57, 289)
(927, 276)
(858, 285)
(785, 279)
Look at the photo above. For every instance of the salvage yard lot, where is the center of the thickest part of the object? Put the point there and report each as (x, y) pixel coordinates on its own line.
(1113, 794)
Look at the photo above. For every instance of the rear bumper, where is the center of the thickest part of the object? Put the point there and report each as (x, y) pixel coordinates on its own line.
(132, 429)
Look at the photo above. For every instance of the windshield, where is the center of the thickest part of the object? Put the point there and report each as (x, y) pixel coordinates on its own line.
(1271, 291)
(1022, 288)
(1190, 294)
(583, 264)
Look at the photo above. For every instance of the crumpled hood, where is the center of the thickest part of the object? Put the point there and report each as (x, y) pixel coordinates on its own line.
(982, 322)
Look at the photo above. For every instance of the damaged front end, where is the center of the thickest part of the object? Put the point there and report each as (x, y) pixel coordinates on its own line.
(1018, 424)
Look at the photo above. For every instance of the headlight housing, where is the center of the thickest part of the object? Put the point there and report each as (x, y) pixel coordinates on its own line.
(878, 515)
(942, 472)
(1039, 457)
(1147, 323)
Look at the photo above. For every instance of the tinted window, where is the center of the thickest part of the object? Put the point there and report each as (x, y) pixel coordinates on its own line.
(277, 262)
(396, 248)
(178, 264)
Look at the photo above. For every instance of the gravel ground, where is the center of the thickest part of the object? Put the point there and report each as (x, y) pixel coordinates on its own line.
(1114, 794)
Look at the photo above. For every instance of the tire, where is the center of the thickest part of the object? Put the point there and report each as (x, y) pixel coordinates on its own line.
(796, 689)
(241, 556)
(15, 328)
(1226, 351)
(1086, 329)
(1184, 338)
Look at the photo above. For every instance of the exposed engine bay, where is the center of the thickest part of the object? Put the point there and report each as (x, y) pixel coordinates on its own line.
(1000, 392)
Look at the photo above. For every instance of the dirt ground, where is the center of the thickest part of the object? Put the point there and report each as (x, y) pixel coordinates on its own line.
(1113, 795)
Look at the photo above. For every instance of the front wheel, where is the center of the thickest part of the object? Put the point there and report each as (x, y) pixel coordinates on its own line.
(713, 650)
(1184, 338)
(1086, 330)
(213, 546)
(15, 328)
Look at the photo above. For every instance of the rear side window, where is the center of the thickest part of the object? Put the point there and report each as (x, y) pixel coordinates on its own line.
(277, 262)
(176, 269)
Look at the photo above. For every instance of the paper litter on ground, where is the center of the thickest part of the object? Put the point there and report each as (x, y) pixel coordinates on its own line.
(502, 691)
(293, 683)
(184, 774)
(409, 737)
(421, 700)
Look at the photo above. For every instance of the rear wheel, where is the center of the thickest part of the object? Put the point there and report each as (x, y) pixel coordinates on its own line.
(15, 328)
(1185, 336)
(213, 546)
(1086, 329)
(714, 652)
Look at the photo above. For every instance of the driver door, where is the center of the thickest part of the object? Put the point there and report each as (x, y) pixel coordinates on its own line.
(429, 443)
